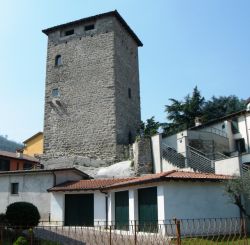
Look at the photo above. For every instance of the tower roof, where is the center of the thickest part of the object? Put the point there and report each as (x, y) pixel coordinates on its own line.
(95, 17)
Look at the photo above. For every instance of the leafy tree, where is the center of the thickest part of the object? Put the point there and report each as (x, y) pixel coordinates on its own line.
(182, 114)
(149, 128)
(222, 106)
(22, 215)
(237, 188)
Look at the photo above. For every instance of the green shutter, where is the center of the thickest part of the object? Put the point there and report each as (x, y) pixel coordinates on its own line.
(121, 210)
(147, 207)
(79, 210)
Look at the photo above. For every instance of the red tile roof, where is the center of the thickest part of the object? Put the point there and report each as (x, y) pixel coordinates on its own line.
(105, 184)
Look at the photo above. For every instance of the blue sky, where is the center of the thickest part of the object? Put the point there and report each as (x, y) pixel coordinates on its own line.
(186, 43)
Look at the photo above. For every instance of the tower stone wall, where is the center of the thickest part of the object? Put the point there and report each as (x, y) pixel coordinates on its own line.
(92, 97)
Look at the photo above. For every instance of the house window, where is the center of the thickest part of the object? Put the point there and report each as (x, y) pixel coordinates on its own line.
(129, 93)
(58, 60)
(55, 92)
(240, 145)
(14, 188)
(235, 125)
(89, 27)
(27, 166)
(69, 32)
(4, 165)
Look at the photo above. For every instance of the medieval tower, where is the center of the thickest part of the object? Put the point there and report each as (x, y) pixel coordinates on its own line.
(92, 96)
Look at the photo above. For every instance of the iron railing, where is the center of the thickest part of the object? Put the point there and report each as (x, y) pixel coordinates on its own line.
(184, 231)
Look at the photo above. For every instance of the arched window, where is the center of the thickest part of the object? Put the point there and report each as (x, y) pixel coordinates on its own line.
(58, 60)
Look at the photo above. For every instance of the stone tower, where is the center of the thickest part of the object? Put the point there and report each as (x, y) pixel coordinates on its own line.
(92, 97)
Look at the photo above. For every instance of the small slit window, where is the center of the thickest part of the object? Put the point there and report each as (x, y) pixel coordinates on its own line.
(58, 60)
(130, 137)
(129, 93)
(55, 92)
(14, 188)
(69, 32)
(89, 27)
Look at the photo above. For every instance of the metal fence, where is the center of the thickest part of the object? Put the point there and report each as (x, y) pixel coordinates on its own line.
(189, 231)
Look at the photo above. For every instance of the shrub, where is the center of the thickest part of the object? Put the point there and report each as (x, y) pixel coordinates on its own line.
(23, 215)
(21, 241)
(3, 220)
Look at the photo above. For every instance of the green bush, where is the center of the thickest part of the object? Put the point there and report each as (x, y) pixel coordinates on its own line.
(22, 215)
(3, 220)
(21, 241)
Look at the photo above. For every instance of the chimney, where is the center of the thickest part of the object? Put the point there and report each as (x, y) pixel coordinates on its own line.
(19, 153)
(197, 121)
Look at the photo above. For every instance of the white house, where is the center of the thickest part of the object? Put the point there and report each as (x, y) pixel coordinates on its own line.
(32, 185)
(149, 199)
(219, 146)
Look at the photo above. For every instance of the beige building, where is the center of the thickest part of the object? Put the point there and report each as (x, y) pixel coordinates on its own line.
(34, 145)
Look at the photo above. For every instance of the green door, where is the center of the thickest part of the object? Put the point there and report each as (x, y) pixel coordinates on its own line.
(121, 210)
(147, 209)
(79, 210)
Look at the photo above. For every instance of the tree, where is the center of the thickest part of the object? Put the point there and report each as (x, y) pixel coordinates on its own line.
(222, 106)
(22, 215)
(182, 114)
(237, 188)
(149, 128)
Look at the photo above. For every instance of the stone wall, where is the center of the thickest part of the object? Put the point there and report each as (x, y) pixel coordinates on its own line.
(92, 116)
(143, 160)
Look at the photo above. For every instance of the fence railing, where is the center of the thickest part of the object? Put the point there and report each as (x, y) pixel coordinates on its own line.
(175, 231)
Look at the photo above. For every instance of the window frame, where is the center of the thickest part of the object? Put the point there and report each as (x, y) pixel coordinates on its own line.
(58, 60)
(14, 188)
(89, 27)
(55, 95)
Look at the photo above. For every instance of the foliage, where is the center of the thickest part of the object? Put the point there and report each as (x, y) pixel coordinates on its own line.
(9, 145)
(21, 241)
(3, 219)
(23, 215)
(238, 187)
(181, 114)
(221, 106)
(149, 128)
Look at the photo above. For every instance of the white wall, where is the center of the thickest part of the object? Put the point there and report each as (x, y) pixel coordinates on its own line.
(156, 142)
(194, 200)
(229, 166)
(32, 188)
(57, 207)
(99, 208)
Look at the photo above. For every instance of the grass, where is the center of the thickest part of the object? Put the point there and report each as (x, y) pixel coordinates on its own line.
(216, 240)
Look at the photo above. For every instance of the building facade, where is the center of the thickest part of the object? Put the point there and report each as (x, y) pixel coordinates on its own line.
(33, 146)
(11, 161)
(92, 98)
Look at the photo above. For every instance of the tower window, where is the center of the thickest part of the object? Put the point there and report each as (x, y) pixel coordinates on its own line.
(129, 93)
(89, 27)
(55, 92)
(130, 137)
(58, 60)
(14, 188)
(69, 32)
